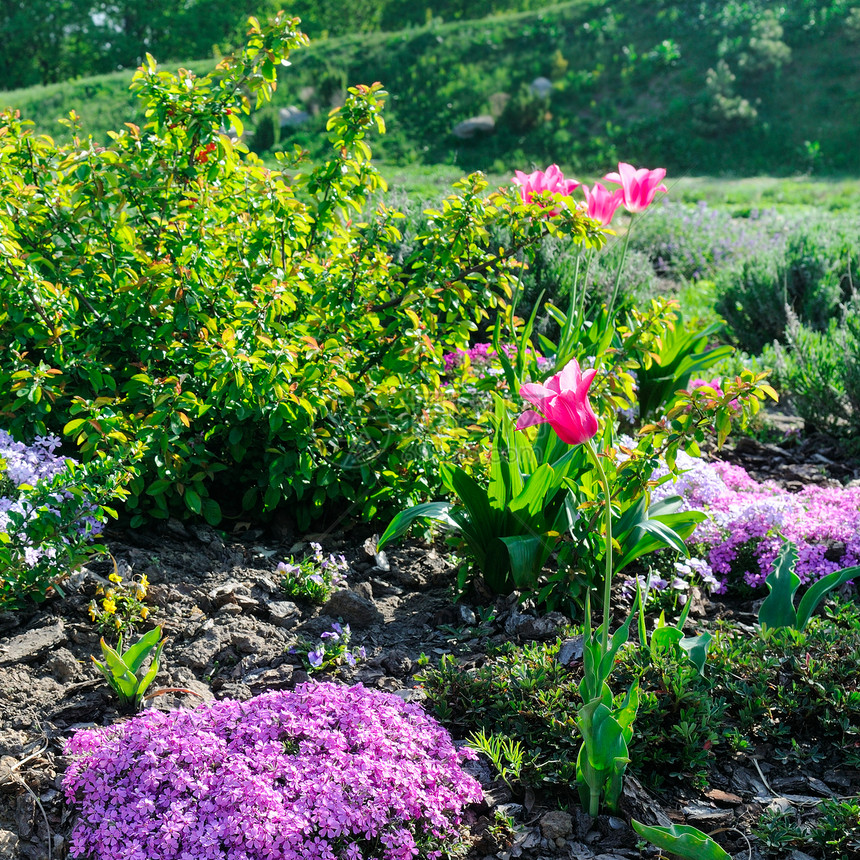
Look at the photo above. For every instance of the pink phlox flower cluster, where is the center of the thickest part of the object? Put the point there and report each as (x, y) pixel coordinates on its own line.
(747, 517)
(714, 386)
(481, 356)
(324, 772)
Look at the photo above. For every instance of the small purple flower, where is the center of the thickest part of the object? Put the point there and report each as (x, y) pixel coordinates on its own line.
(315, 658)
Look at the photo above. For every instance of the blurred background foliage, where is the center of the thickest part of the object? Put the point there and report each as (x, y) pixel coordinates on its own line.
(696, 85)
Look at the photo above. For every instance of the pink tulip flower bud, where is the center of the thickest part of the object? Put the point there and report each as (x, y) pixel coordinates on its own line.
(563, 404)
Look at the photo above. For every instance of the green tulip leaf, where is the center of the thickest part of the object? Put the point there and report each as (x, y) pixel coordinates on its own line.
(697, 649)
(818, 590)
(438, 511)
(777, 610)
(682, 840)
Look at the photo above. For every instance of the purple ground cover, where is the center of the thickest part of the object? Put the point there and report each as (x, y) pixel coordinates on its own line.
(741, 537)
(324, 772)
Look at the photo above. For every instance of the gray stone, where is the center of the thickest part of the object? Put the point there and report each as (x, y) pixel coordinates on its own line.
(397, 662)
(234, 690)
(541, 87)
(292, 116)
(411, 694)
(32, 645)
(468, 128)
(8, 843)
(63, 665)
(697, 813)
(571, 649)
(264, 678)
(284, 613)
(540, 629)
(467, 616)
(199, 692)
(248, 643)
(354, 609)
(556, 825)
(365, 589)
(233, 593)
(202, 651)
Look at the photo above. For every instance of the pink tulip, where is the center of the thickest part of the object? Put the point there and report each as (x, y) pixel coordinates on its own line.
(639, 186)
(563, 403)
(551, 180)
(601, 203)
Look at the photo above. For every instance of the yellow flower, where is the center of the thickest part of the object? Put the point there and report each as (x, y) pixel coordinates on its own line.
(115, 577)
(117, 623)
(109, 605)
(144, 582)
(144, 613)
(92, 612)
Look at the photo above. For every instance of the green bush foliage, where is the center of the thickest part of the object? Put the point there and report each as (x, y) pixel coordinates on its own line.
(244, 325)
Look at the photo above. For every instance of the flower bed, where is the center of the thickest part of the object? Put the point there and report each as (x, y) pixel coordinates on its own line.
(325, 771)
(741, 536)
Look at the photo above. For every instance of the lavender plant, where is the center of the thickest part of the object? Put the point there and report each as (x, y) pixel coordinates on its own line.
(319, 772)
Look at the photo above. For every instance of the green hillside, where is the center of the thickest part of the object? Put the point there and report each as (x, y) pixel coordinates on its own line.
(700, 87)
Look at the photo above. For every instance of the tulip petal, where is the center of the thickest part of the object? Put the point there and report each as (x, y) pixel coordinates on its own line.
(529, 419)
(536, 394)
(570, 376)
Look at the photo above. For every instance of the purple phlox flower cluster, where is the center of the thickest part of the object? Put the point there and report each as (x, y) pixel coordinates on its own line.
(314, 577)
(29, 466)
(324, 772)
(746, 519)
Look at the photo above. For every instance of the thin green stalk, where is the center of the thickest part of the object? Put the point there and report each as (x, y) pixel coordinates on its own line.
(580, 316)
(607, 579)
(620, 267)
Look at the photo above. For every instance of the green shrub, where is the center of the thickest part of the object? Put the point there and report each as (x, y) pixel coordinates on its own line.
(809, 275)
(819, 373)
(244, 325)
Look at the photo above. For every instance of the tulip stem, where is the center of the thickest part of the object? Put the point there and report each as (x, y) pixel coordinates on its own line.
(607, 578)
(620, 267)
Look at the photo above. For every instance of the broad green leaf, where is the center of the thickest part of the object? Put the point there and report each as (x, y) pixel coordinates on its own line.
(682, 840)
(777, 610)
(664, 640)
(483, 517)
(526, 553)
(818, 590)
(149, 677)
(137, 653)
(696, 648)
(536, 490)
(398, 527)
(603, 737)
